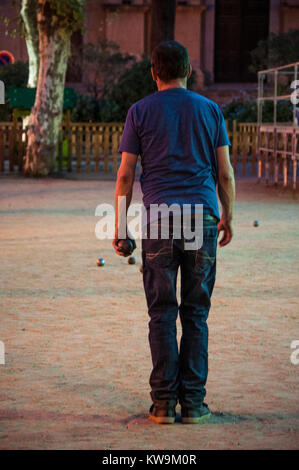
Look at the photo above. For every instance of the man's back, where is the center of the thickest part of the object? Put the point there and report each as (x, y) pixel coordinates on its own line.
(176, 132)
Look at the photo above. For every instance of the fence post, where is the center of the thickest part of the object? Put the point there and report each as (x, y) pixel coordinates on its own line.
(285, 166)
(68, 139)
(106, 148)
(97, 148)
(2, 149)
(253, 150)
(60, 148)
(294, 161)
(20, 148)
(114, 147)
(87, 147)
(235, 146)
(78, 148)
(259, 153)
(243, 145)
(12, 140)
(275, 157)
(267, 168)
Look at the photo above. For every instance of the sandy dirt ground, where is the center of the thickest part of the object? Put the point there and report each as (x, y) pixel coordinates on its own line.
(76, 335)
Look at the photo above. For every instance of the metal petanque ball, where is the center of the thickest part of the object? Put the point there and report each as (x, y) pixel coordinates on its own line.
(256, 223)
(131, 260)
(126, 246)
(100, 262)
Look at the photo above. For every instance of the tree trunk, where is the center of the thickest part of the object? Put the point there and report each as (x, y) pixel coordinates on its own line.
(162, 23)
(29, 15)
(45, 118)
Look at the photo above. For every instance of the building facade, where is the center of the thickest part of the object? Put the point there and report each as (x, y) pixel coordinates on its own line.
(219, 34)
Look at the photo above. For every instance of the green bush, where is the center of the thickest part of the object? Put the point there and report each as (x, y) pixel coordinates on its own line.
(103, 65)
(133, 85)
(246, 111)
(5, 113)
(109, 111)
(242, 111)
(86, 109)
(13, 75)
(276, 50)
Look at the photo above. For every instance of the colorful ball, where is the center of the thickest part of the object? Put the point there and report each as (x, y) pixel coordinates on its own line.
(256, 223)
(131, 260)
(100, 262)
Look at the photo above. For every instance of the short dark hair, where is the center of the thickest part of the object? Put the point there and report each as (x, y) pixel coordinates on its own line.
(170, 60)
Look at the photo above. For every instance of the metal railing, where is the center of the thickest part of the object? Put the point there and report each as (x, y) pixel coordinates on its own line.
(277, 143)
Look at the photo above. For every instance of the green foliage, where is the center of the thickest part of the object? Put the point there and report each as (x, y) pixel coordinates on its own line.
(13, 25)
(246, 111)
(278, 49)
(86, 109)
(191, 82)
(89, 109)
(67, 14)
(5, 113)
(103, 64)
(109, 111)
(15, 75)
(133, 85)
(242, 111)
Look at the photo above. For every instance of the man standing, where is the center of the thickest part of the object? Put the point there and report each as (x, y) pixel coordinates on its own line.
(183, 143)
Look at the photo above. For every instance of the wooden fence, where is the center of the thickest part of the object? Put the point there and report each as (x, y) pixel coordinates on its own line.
(81, 147)
(94, 147)
(278, 149)
(243, 137)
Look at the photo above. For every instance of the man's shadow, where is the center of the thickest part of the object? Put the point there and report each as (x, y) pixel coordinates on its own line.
(219, 417)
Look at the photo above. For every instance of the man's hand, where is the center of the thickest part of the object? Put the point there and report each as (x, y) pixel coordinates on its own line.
(115, 246)
(124, 187)
(227, 229)
(117, 249)
(226, 191)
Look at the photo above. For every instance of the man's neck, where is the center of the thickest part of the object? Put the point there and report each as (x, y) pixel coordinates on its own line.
(174, 84)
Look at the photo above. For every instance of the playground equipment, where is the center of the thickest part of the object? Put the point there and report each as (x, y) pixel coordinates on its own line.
(278, 143)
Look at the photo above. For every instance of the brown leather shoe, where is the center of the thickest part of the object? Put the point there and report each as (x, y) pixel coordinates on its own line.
(162, 415)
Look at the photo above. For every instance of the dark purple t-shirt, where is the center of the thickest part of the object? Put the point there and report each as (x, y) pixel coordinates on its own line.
(176, 133)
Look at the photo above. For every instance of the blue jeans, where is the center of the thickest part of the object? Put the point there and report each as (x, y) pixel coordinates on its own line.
(179, 375)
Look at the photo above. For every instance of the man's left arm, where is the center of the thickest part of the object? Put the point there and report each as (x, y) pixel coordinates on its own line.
(124, 187)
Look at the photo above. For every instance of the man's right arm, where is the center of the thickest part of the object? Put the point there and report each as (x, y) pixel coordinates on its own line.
(226, 191)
